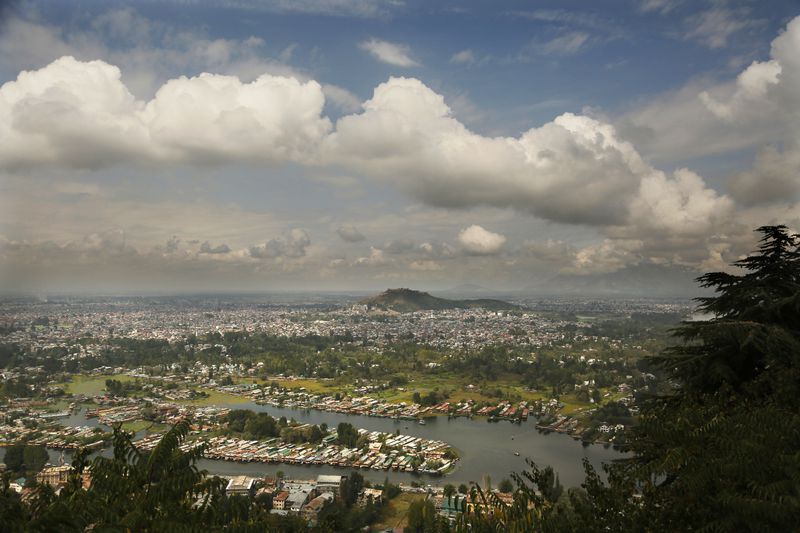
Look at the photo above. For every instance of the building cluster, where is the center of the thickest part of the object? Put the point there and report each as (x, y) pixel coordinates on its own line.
(382, 451)
(43, 325)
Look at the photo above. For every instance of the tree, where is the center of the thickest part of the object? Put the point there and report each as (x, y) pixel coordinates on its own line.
(720, 451)
(25, 459)
(347, 435)
(505, 486)
(352, 488)
(449, 490)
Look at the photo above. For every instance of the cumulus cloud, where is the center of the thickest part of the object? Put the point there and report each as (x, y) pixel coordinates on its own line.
(376, 257)
(206, 248)
(395, 54)
(291, 245)
(350, 233)
(81, 114)
(341, 98)
(478, 241)
(758, 108)
(575, 169)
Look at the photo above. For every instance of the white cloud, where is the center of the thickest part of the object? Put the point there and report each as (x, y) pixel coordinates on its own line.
(715, 26)
(350, 233)
(760, 109)
(464, 57)
(341, 98)
(81, 114)
(291, 245)
(425, 265)
(567, 44)
(376, 257)
(479, 241)
(392, 53)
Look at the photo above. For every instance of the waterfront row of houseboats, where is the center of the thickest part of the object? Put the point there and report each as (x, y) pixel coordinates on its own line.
(386, 452)
(53, 436)
(368, 406)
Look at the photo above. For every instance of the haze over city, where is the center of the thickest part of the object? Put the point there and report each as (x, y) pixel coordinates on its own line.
(363, 144)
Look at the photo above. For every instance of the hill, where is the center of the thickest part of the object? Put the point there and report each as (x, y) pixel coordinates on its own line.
(407, 301)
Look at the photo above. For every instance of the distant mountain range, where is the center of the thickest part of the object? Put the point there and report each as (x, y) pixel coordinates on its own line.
(408, 300)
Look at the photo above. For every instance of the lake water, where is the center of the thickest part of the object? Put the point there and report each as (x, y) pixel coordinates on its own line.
(486, 448)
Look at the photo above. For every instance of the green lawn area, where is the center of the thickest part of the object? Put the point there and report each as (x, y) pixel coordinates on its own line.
(139, 425)
(90, 385)
(395, 513)
(216, 397)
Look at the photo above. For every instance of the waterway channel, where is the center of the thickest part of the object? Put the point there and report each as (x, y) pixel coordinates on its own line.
(486, 448)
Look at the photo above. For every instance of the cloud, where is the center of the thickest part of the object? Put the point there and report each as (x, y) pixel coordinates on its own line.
(464, 57)
(333, 8)
(291, 245)
(341, 98)
(425, 266)
(80, 114)
(206, 248)
(398, 246)
(575, 169)
(660, 6)
(567, 44)
(148, 52)
(477, 241)
(758, 110)
(350, 233)
(714, 27)
(392, 53)
(376, 257)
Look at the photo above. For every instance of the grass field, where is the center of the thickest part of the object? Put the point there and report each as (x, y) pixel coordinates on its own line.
(90, 385)
(395, 513)
(139, 425)
(216, 397)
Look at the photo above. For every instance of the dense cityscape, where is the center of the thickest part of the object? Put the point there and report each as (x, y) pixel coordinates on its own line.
(75, 368)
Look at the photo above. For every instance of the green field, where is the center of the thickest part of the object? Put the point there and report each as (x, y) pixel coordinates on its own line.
(216, 398)
(90, 385)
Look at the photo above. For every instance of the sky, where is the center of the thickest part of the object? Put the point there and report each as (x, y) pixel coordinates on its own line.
(362, 144)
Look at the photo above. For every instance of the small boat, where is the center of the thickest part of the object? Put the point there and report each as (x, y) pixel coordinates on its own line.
(516, 453)
(421, 422)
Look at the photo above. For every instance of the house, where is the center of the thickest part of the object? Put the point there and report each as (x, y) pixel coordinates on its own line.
(279, 501)
(296, 500)
(55, 476)
(373, 495)
(330, 483)
(241, 486)
(311, 510)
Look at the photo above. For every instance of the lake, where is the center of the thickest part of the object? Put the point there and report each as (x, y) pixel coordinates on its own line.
(486, 448)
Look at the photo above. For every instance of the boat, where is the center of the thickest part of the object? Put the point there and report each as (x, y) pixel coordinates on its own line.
(421, 422)
(516, 453)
